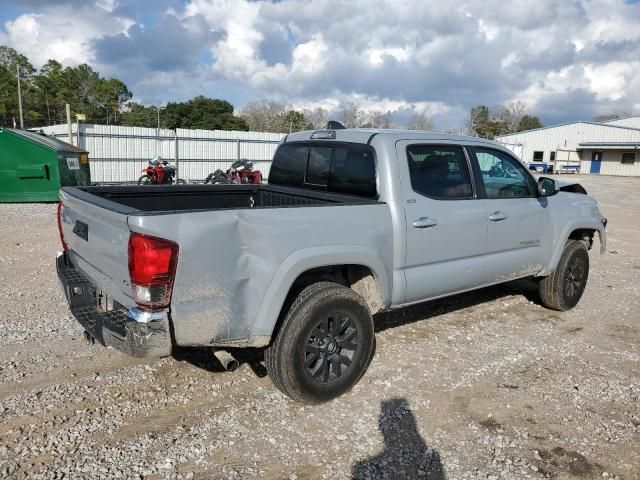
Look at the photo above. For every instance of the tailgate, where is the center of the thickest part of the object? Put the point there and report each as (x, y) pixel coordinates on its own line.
(98, 242)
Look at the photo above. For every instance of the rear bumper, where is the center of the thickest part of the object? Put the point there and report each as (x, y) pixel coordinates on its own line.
(134, 332)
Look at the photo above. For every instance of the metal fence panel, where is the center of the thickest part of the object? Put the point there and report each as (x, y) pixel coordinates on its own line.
(118, 154)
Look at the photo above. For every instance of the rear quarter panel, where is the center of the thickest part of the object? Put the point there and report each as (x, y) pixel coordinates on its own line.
(235, 267)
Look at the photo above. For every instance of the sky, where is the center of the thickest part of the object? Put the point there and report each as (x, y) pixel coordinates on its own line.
(566, 59)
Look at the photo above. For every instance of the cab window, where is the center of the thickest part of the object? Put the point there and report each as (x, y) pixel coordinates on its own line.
(439, 172)
(345, 168)
(503, 175)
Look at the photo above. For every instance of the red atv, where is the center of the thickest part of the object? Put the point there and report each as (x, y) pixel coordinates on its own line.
(241, 172)
(158, 172)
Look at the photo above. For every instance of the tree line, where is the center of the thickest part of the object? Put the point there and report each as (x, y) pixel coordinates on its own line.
(271, 116)
(108, 101)
(46, 91)
(493, 122)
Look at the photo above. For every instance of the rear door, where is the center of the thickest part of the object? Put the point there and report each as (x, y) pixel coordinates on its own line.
(517, 220)
(98, 242)
(446, 225)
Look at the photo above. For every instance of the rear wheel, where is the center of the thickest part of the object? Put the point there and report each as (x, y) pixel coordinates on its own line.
(324, 346)
(180, 181)
(563, 289)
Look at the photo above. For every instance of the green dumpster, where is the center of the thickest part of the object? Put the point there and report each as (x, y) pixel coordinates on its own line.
(34, 166)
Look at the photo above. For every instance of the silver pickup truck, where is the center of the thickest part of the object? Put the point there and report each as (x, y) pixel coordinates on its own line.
(352, 222)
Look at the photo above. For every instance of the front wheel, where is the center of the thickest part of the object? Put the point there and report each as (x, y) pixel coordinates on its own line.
(181, 181)
(144, 180)
(324, 346)
(563, 289)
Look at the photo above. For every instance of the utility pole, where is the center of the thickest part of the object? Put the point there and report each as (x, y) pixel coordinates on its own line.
(20, 97)
(69, 135)
(158, 134)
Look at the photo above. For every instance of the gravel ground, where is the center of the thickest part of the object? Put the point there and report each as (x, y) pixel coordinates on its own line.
(484, 385)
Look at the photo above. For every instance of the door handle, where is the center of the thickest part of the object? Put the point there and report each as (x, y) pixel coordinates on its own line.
(497, 216)
(424, 222)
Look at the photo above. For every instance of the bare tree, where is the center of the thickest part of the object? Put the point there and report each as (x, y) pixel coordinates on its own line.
(379, 119)
(318, 117)
(511, 114)
(419, 121)
(264, 116)
(349, 114)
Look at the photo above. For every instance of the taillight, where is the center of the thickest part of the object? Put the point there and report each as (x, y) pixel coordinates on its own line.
(152, 269)
(64, 244)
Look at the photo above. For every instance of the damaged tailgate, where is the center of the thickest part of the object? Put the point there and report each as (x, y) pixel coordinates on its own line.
(97, 241)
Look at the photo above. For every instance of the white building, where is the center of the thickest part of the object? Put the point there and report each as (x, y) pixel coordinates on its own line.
(608, 148)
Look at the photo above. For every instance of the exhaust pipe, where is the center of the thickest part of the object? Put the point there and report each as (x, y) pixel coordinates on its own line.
(226, 360)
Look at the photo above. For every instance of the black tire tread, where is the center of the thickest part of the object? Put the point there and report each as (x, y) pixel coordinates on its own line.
(270, 358)
(282, 374)
(550, 287)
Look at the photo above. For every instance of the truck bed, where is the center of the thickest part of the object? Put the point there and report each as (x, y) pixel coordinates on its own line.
(234, 240)
(158, 199)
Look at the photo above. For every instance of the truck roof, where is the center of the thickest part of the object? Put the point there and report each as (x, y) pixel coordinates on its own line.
(365, 135)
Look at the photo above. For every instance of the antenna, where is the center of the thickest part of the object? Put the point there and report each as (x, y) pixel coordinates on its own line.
(333, 125)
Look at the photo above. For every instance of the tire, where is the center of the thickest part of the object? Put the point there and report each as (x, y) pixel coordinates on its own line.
(181, 181)
(144, 180)
(324, 346)
(563, 289)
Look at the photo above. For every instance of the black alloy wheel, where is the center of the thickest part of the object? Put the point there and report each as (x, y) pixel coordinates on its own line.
(324, 345)
(575, 277)
(331, 348)
(563, 289)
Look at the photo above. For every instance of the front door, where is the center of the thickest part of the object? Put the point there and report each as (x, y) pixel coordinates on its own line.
(596, 158)
(445, 224)
(518, 239)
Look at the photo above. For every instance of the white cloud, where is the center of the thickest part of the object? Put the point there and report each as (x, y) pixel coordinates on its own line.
(237, 53)
(609, 82)
(310, 57)
(410, 55)
(489, 32)
(64, 33)
(376, 55)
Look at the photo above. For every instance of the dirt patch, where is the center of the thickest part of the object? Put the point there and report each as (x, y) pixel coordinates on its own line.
(558, 461)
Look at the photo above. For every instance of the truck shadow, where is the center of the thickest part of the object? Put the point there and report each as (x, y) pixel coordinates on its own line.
(434, 308)
(405, 454)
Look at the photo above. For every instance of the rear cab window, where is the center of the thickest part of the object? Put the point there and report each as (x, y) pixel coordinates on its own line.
(344, 168)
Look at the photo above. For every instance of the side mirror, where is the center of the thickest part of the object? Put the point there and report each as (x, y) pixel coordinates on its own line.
(547, 187)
